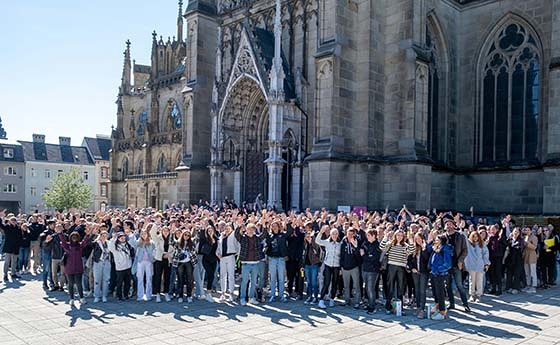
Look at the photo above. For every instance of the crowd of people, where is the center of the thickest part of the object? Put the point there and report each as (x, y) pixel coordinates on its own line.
(365, 261)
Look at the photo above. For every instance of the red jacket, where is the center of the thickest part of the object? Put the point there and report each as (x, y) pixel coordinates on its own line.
(74, 264)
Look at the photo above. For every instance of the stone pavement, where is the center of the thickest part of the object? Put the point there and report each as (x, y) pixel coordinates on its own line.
(29, 315)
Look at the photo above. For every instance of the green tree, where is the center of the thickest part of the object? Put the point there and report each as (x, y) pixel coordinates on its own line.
(67, 191)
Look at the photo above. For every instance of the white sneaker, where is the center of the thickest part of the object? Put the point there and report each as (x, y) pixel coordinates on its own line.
(532, 290)
(180, 300)
(253, 301)
(158, 298)
(438, 316)
(331, 303)
(104, 299)
(201, 297)
(222, 298)
(167, 297)
(229, 299)
(243, 302)
(83, 301)
(189, 299)
(96, 300)
(514, 292)
(209, 298)
(322, 304)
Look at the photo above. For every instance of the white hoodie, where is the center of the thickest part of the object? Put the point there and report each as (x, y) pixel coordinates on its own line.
(123, 260)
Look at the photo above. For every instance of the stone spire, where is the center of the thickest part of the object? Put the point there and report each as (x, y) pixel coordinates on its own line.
(180, 22)
(125, 80)
(277, 72)
(154, 55)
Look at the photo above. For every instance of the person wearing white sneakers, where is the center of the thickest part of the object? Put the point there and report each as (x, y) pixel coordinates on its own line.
(185, 254)
(162, 269)
(101, 266)
(227, 249)
(477, 262)
(530, 258)
(250, 254)
(143, 265)
(277, 250)
(331, 261)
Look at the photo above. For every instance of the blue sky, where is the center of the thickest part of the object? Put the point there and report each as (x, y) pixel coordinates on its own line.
(61, 62)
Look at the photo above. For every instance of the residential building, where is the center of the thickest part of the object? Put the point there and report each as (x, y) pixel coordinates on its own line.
(99, 148)
(12, 176)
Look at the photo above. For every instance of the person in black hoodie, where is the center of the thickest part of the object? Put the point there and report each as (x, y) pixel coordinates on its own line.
(46, 253)
(370, 253)
(12, 240)
(350, 264)
(52, 245)
(35, 230)
(294, 264)
(497, 243)
(24, 248)
(277, 250)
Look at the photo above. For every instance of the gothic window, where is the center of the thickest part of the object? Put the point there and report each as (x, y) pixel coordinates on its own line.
(142, 121)
(162, 164)
(176, 116)
(510, 97)
(140, 168)
(124, 169)
(434, 76)
(229, 154)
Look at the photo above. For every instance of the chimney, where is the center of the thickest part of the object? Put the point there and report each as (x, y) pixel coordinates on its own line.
(39, 138)
(64, 141)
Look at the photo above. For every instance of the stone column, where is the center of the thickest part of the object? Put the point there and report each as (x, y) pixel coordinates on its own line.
(216, 174)
(237, 179)
(296, 173)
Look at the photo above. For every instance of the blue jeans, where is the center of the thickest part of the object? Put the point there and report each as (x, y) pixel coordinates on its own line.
(23, 258)
(248, 272)
(101, 278)
(46, 261)
(277, 266)
(199, 276)
(172, 276)
(456, 275)
(370, 279)
(420, 287)
(311, 274)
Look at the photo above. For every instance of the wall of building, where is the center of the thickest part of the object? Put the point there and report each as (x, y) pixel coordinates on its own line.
(12, 201)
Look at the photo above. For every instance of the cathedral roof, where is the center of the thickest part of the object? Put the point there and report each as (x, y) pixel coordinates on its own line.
(264, 44)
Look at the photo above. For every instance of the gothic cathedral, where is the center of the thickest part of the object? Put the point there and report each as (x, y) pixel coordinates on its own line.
(321, 103)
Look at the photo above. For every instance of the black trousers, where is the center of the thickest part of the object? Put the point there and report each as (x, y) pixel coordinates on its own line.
(210, 269)
(395, 280)
(75, 279)
(548, 261)
(124, 278)
(438, 284)
(383, 277)
(330, 277)
(185, 276)
(161, 269)
(294, 276)
(496, 272)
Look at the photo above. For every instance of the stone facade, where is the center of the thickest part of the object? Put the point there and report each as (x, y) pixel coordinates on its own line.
(320, 103)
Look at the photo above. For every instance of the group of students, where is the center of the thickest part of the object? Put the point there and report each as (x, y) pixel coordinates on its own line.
(184, 254)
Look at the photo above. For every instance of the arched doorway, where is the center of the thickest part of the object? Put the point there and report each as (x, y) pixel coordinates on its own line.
(244, 120)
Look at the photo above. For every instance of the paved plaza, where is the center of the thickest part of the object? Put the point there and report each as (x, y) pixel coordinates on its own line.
(29, 315)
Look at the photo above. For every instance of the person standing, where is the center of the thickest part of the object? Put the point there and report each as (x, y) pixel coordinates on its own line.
(370, 253)
(12, 240)
(74, 267)
(277, 250)
(250, 255)
(459, 244)
(36, 228)
(476, 263)
(122, 254)
(332, 263)
(143, 265)
(227, 249)
(514, 261)
(497, 243)
(101, 266)
(440, 263)
(397, 251)
(350, 263)
(46, 253)
(162, 266)
(24, 249)
(530, 256)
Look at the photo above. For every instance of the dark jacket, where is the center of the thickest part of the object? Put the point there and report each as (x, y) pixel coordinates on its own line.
(98, 252)
(295, 243)
(12, 237)
(370, 259)
(424, 259)
(497, 245)
(35, 230)
(311, 253)
(207, 249)
(74, 263)
(25, 241)
(460, 250)
(53, 247)
(277, 244)
(349, 255)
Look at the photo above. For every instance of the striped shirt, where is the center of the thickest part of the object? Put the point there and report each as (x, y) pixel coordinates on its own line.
(396, 255)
